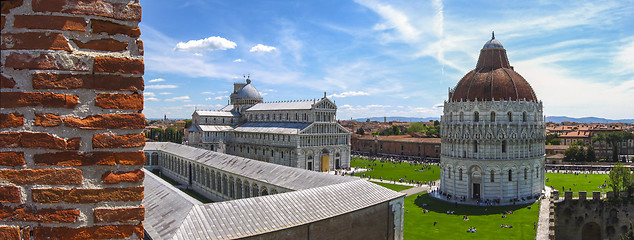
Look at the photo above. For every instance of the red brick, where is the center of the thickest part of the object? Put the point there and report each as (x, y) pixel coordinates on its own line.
(57, 195)
(75, 158)
(120, 65)
(11, 4)
(108, 140)
(99, 26)
(9, 233)
(26, 214)
(12, 158)
(6, 82)
(42, 176)
(2, 21)
(10, 140)
(41, 140)
(119, 101)
(103, 45)
(35, 40)
(116, 177)
(9, 194)
(108, 121)
(121, 11)
(89, 81)
(47, 120)
(47, 61)
(73, 143)
(50, 22)
(122, 215)
(130, 158)
(11, 120)
(32, 99)
(139, 44)
(95, 232)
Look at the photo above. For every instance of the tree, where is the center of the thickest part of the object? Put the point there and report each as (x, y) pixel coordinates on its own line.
(553, 139)
(188, 123)
(590, 155)
(417, 127)
(360, 131)
(396, 130)
(620, 179)
(575, 153)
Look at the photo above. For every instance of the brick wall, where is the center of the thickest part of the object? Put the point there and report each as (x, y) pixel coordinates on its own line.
(70, 120)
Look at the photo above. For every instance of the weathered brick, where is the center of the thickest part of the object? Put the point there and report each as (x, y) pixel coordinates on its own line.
(130, 158)
(120, 65)
(103, 45)
(90, 81)
(10, 139)
(139, 44)
(56, 195)
(108, 121)
(122, 215)
(95, 232)
(99, 26)
(9, 194)
(41, 140)
(6, 82)
(32, 99)
(2, 21)
(47, 61)
(11, 4)
(9, 233)
(115, 10)
(47, 120)
(73, 144)
(11, 120)
(116, 177)
(35, 40)
(119, 101)
(12, 158)
(107, 140)
(42, 176)
(26, 214)
(75, 158)
(50, 22)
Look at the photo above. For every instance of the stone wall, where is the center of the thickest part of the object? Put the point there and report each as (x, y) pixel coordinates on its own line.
(70, 119)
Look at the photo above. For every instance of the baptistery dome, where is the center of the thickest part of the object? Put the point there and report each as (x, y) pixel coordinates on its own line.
(493, 78)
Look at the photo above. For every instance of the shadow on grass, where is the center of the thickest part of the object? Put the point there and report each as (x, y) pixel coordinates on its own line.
(439, 206)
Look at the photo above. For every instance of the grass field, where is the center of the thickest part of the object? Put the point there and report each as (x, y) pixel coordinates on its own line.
(576, 183)
(394, 187)
(487, 221)
(394, 171)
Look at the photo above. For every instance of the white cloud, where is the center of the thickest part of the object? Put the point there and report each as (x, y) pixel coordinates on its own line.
(151, 99)
(165, 93)
(160, 86)
(149, 94)
(207, 44)
(262, 48)
(624, 60)
(157, 80)
(206, 93)
(238, 60)
(349, 94)
(263, 94)
(207, 99)
(181, 98)
(220, 97)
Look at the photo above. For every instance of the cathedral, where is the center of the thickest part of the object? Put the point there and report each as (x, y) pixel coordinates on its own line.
(492, 134)
(302, 134)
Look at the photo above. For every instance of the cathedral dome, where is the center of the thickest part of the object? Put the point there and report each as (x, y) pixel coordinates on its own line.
(248, 91)
(493, 78)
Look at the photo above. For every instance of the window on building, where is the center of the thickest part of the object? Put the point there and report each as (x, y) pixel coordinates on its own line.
(510, 115)
(503, 146)
(402, 147)
(525, 173)
(536, 172)
(475, 146)
(461, 116)
(510, 175)
(449, 172)
(492, 116)
(476, 116)
(460, 176)
(492, 175)
(524, 117)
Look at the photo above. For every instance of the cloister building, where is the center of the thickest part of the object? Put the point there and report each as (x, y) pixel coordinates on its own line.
(492, 134)
(302, 134)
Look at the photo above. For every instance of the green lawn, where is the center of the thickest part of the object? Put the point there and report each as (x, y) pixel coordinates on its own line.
(394, 187)
(487, 221)
(581, 182)
(394, 171)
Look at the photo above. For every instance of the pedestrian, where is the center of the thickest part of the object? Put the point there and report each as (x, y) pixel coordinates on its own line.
(435, 223)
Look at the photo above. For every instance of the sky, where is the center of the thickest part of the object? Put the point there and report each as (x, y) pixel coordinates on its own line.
(384, 58)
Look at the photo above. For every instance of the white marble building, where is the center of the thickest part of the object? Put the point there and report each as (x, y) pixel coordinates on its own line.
(493, 134)
(303, 134)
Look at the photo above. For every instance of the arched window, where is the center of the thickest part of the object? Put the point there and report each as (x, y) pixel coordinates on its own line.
(525, 173)
(492, 116)
(492, 175)
(510, 175)
(450, 116)
(476, 116)
(536, 172)
(475, 146)
(449, 172)
(524, 117)
(503, 146)
(461, 116)
(510, 114)
(460, 174)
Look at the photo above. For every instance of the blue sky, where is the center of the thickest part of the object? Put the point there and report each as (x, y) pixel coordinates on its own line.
(385, 58)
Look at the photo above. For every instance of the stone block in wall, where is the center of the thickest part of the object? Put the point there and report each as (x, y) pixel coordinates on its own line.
(609, 194)
(596, 195)
(555, 195)
(582, 195)
(568, 195)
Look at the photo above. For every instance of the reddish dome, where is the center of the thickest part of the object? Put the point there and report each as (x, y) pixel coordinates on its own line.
(493, 78)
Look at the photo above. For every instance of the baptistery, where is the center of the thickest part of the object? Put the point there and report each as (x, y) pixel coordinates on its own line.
(492, 134)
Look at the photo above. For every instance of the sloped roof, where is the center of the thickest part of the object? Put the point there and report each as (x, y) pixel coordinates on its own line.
(203, 113)
(295, 105)
(271, 127)
(215, 128)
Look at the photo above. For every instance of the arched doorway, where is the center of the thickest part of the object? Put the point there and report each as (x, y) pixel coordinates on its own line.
(476, 182)
(590, 231)
(337, 161)
(325, 160)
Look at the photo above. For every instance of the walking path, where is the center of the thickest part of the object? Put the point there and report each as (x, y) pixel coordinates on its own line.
(543, 224)
(415, 190)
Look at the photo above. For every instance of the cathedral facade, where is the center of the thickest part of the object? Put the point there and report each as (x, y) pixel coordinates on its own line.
(492, 134)
(302, 134)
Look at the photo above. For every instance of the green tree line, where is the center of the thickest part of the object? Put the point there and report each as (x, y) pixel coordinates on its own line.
(170, 134)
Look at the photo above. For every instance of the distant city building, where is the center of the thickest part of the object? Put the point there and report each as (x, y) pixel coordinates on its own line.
(302, 134)
(493, 134)
(402, 145)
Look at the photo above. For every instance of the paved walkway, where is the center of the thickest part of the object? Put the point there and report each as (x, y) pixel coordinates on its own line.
(415, 190)
(543, 224)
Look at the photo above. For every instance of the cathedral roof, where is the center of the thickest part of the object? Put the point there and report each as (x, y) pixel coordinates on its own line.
(493, 78)
(248, 91)
(291, 105)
